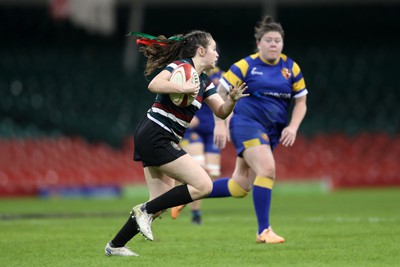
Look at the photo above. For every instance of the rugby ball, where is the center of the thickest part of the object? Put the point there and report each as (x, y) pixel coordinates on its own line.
(180, 75)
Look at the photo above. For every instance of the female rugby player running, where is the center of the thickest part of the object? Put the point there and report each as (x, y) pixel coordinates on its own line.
(157, 136)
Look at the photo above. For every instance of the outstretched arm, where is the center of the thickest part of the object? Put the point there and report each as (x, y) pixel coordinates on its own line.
(222, 109)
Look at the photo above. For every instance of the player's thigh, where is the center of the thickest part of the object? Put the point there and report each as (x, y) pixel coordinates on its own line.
(187, 171)
(261, 160)
(157, 182)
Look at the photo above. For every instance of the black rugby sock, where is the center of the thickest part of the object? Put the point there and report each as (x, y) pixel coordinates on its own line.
(178, 195)
(127, 232)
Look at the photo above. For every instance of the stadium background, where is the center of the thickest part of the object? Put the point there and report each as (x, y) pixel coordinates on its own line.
(72, 88)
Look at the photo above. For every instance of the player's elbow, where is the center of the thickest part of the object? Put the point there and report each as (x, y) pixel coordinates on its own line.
(151, 87)
(222, 116)
(222, 113)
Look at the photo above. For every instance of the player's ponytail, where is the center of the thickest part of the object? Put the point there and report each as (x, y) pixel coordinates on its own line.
(160, 51)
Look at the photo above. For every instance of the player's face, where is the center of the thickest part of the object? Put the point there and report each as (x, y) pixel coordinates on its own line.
(211, 55)
(270, 46)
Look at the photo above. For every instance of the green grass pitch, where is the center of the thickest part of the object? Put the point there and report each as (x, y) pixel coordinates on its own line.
(340, 228)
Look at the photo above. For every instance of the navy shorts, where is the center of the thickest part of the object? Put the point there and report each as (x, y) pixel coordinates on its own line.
(155, 146)
(244, 137)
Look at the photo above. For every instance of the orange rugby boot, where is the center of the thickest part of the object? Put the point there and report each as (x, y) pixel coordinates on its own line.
(268, 236)
(176, 210)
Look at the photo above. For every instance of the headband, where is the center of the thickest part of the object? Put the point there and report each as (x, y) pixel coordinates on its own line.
(149, 40)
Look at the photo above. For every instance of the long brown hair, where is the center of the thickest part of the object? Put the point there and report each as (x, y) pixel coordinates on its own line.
(166, 50)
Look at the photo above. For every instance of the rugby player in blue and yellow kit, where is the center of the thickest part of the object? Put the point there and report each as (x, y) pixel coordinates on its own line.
(261, 121)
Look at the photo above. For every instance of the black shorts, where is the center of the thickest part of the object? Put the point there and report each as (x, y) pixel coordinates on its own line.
(155, 146)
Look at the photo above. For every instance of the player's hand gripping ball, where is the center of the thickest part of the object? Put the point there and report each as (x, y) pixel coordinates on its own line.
(180, 75)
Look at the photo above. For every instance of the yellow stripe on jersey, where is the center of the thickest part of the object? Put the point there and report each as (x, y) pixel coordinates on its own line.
(267, 62)
(295, 69)
(300, 85)
(265, 182)
(254, 56)
(243, 66)
(233, 78)
(252, 142)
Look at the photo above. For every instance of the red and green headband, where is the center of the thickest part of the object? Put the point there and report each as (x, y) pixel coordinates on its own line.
(149, 40)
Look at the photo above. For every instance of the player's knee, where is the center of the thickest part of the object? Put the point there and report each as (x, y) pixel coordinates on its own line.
(268, 171)
(209, 187)
(206, 187)
(236, 190)
(265, 182)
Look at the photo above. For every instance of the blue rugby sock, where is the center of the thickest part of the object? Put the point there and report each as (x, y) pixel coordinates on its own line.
(196, 213)
(262, 204)
(220, 188)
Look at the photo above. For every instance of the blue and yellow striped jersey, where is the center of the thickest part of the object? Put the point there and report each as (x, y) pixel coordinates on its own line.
(173, 118)
(271, 88)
